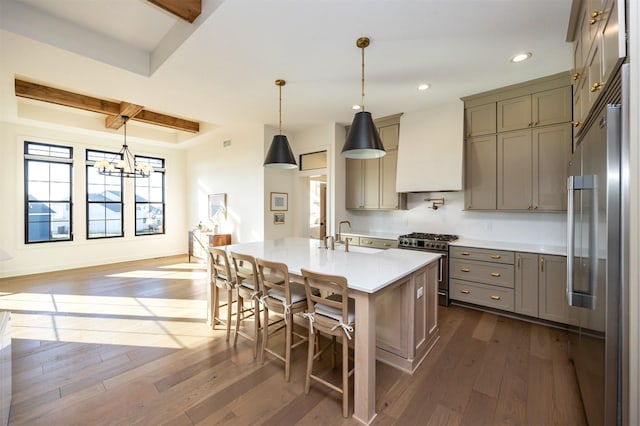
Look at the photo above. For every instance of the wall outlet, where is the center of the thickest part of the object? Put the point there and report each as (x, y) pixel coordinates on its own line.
(419, 292)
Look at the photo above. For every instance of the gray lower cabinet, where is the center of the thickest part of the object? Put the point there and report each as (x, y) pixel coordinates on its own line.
(525, 283)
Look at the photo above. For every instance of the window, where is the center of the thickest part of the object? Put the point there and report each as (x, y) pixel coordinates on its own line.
(104, 199)
(47, 187)
(150, 198)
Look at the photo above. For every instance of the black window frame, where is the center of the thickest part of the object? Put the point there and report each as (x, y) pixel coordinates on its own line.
(32, 155)
(158, 169)
(107, 155)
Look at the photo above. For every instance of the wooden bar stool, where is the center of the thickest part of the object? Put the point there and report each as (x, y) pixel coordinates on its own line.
(249, 288)
(333, 316)
(221, 279)
(284, 298)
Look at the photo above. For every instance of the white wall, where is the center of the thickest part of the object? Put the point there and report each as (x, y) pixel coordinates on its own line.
(534, 228)
(235, 170)
(42, 257)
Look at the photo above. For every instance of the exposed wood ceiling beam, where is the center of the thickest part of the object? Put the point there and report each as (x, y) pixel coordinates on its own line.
(188, 10)
(126, 109)
(114, 110)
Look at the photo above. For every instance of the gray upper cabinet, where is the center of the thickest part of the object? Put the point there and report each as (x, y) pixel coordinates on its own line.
(480, 120)
(371, 184)
(522, 166)
(539, 109)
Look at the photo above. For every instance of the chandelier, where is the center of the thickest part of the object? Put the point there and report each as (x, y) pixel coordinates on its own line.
(124, 164)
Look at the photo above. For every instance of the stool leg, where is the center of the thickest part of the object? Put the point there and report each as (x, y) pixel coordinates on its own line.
(238, 310)
(287, 349)
(256, 326)
(229, 309)
(265, 332)
(345, 376)
(215, 305)
(310, 354)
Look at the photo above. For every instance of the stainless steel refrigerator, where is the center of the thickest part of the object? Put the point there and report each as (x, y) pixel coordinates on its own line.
(596, 250)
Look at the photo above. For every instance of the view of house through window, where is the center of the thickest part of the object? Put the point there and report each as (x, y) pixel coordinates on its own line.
(150, 198)
(104, 199)
(47, 185)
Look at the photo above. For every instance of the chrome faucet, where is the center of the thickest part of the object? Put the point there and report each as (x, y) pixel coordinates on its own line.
(339, 235)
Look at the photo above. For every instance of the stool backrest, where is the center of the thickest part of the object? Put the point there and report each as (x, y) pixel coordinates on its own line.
(327, 284)
(246, 269)
(274, 275)
(220, 266)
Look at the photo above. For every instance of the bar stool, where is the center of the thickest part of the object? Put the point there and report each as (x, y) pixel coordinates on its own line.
(284, 298)
(221, 279)
(249, 288)
(330, 315)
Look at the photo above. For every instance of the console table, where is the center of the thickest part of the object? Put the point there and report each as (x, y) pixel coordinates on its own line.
(199, 242)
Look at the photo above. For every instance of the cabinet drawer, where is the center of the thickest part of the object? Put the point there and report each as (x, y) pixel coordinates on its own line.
(485, 272)
(378, 243)
(480, 294)
(487, 255)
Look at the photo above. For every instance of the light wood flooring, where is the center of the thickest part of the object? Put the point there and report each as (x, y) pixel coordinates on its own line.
(128, 344)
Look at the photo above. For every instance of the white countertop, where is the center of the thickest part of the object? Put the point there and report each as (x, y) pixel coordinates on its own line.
(505, 245)
(367, 270)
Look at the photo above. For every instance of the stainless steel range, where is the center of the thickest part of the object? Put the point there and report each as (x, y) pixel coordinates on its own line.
(435, 243)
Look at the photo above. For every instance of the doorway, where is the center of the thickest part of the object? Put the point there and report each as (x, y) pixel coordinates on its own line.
(317, 207)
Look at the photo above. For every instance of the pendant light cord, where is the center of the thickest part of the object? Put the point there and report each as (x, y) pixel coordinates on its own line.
(362, 98)
(125, 118)
(280, 110)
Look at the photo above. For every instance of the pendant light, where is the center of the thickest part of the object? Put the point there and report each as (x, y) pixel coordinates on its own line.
(280, 155)
(363, 140)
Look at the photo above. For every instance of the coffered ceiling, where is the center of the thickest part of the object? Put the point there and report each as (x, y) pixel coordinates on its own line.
(220, 70)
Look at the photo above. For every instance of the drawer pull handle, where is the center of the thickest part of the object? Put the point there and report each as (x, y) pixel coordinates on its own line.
(495, 274)
(465, 253)
(496, 256)
(464, 270)
(369, 242)
(387, 244)
(465, 291)
(495, 297)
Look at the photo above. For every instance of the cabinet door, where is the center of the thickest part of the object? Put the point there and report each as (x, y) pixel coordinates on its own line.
(388, 167)
(390, 136)
(354, 184)
(553, 285)
(480, 172)
(514, 170)
(613, 40)
(480, 120)
(371, 183)
(551, 106)
(526, 291)
(551, 155)
(594, 64)
(514, 114)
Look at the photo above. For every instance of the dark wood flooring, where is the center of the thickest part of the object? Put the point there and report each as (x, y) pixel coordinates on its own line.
(128, 344)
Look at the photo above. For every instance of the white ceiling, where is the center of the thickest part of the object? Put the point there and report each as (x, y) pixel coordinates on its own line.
(221, 70)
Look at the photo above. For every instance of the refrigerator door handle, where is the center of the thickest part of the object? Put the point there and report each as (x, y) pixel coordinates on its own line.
(570, 238)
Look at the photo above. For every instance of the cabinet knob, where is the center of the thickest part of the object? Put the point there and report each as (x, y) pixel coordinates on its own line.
(495, 274)
(596, 86)
(529, 208)
(576, 76)
(465, 291)
(495, 297)
(577, 124)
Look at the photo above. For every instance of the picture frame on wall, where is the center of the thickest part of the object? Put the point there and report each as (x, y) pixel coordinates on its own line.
(279, 201)
(278, 218)
(218, 207)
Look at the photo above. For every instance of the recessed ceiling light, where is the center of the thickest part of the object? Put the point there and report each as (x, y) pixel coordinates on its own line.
(424, 86)
(355, 107)
(521, 57)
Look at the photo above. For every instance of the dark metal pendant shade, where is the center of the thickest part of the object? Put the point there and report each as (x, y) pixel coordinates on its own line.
(363, 140)
(280, 155)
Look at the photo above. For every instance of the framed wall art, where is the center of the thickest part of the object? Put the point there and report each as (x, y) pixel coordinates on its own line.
(218, 207)
(278, 218)
(279, 201)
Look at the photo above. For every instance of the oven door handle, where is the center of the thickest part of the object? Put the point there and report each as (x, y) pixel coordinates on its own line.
(440, 267)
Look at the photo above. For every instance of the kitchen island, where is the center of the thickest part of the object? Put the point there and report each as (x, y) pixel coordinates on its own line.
(395, 294)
